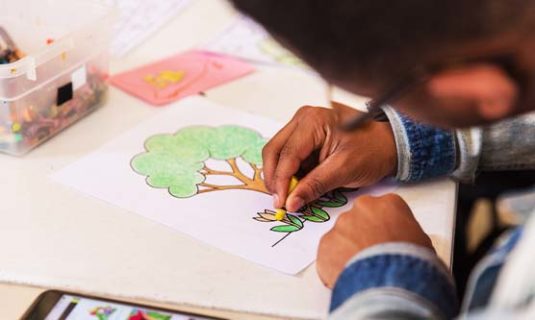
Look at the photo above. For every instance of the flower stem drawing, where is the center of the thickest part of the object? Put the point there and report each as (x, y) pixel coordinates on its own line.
(313, 212)
(183, 164)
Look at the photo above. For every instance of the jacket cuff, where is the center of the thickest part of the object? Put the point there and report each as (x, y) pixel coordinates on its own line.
(423, 151)
(469, 144)
(408, 268)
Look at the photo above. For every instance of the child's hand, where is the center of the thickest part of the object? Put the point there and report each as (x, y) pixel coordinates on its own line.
(311, 142)
(371, 221)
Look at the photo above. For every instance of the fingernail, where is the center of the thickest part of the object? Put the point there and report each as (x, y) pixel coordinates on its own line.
(276, 201)
(295, 203)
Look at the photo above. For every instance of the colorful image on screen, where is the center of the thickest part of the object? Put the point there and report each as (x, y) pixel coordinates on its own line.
(71, 307)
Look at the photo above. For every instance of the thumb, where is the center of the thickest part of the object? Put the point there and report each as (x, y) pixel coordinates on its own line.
(325, 177)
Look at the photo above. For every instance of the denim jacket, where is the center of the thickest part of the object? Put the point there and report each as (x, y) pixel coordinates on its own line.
(405, 281)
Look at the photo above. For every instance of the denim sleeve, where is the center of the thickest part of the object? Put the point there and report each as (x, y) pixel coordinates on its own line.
(423, 151)
(505, 145)
(509, 144)
(394, 281)
(426, 152)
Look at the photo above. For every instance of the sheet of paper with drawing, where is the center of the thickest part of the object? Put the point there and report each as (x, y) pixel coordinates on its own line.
(138, 19)
(246, 39)
(180, 75)
(196, 168)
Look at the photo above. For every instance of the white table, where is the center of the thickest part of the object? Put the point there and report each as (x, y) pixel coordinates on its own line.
(34, 209)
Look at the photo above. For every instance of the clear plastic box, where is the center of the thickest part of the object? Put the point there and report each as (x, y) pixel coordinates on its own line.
(62, 76)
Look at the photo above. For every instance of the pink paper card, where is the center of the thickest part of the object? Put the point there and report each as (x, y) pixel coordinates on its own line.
(179, 76)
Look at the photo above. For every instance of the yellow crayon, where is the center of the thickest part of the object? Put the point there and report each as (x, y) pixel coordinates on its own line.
(293, 184)
(280, 214)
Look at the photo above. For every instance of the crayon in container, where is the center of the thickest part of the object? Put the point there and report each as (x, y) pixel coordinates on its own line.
(59, 71)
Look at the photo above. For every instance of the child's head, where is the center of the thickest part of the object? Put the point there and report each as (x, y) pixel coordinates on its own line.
(366, 45)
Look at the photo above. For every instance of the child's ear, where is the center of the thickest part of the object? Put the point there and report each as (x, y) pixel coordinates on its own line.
(483, 86)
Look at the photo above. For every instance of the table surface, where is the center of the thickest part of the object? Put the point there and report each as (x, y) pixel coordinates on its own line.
(272, 92)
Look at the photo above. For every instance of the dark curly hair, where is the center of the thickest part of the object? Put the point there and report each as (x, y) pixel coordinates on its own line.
(375, 38)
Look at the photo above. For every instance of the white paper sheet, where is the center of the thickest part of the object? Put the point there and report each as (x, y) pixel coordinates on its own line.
(248, 40)
(138, 19)
(223, 218)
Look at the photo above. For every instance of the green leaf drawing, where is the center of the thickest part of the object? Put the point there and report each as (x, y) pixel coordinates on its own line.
(336, 200)
(295, 220)
(312, 218)
(340, 197)
(320, 213)
(313, 212)
(285, 228)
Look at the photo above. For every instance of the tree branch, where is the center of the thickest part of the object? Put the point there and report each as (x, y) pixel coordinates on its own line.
(257, 172)
(216, 186)
(212, 187)
(237, 172)
(208, 171)
(254, 184)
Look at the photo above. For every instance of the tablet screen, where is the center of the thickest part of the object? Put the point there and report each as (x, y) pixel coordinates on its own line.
(70, 307)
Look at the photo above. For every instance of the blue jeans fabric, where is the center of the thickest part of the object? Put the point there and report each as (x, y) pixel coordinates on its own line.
(418, 275)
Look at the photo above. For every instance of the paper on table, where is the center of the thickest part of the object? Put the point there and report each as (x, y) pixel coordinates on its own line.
(246, 39)
(138, 19)
(180, 75)
(223, 218)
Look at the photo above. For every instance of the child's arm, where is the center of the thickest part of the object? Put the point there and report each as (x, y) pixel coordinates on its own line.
(382, 265)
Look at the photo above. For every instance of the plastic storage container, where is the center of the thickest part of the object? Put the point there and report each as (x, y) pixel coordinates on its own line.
(62, 76)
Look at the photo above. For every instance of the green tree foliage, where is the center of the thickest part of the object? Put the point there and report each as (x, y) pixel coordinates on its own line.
(177, 161)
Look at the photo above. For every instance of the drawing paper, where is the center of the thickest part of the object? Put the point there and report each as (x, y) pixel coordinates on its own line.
(139, 19)
(196, 167)
(248, 40)
(179, 76)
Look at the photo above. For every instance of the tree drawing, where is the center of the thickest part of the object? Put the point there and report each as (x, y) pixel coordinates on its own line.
(179, 162)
